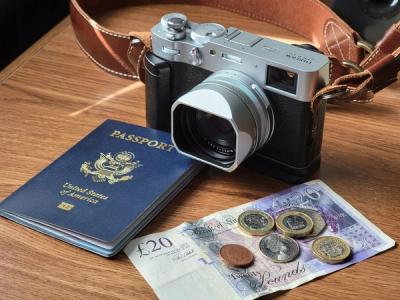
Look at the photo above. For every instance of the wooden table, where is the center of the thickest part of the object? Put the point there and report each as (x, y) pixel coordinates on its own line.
(53, 95)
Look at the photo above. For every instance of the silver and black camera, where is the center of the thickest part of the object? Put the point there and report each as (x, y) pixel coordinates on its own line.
(229, 96)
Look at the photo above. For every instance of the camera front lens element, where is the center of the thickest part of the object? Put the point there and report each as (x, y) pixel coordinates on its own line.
(211, 137)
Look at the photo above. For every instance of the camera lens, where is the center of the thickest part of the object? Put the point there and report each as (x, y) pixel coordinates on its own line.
(211, 136)
(216, 132)
(223, 120)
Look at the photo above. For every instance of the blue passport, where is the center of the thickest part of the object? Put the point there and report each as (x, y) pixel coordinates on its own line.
(105, 189)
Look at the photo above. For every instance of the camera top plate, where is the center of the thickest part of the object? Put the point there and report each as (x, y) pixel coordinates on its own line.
(211, 47)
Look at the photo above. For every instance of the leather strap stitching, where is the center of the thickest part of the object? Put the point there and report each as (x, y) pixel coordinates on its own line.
(334, 25)
(98, 27)
(104, 67)
(372, 56)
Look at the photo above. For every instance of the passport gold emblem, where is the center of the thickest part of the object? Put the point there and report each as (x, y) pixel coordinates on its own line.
(111, 168)
(65, 206)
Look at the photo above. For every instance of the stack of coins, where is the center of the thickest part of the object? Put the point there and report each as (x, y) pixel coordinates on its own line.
(281, 246)
(294, 224)
(318, 221)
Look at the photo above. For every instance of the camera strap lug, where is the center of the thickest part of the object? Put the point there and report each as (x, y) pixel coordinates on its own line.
(352, 65)
(140, 43)
(363, 44)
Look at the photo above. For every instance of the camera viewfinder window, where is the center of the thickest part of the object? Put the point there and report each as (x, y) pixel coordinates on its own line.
(282, 79)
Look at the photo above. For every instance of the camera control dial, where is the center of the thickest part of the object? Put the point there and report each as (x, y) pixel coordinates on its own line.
(174, 25)
(203, 33)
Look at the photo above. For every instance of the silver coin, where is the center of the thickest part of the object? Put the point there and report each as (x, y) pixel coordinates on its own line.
(279, 248)
(319, 222)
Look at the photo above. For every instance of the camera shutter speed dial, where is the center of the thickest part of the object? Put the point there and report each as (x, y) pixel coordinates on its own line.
(203, 33)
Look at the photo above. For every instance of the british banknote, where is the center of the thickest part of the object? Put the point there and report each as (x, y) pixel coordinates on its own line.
(184, 262)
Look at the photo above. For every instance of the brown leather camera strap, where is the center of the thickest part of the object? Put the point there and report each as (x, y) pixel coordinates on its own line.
(357, 70)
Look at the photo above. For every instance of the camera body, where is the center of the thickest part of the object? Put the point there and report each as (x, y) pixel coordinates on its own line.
(260, 87)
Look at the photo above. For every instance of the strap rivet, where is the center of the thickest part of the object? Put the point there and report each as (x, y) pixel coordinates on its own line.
(135, 41)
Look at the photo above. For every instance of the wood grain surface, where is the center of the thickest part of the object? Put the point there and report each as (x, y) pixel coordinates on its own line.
(55, 95)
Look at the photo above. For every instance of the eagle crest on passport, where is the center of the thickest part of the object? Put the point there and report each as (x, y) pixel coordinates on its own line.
(111, 168)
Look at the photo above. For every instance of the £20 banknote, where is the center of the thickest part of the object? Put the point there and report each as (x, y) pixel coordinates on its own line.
(184, 262)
